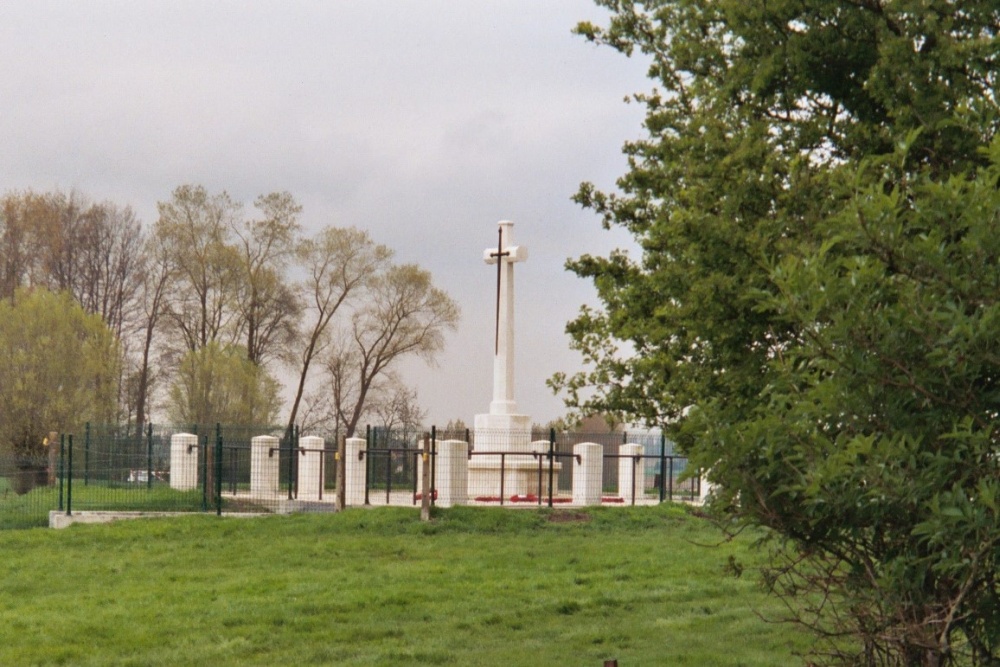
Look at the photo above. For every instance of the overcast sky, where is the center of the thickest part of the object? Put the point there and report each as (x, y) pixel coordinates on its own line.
(424, 123)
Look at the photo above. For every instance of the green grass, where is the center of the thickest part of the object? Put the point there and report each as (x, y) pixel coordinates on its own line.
(377, 587)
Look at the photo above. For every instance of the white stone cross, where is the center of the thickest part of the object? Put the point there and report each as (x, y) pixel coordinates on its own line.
(503, 360)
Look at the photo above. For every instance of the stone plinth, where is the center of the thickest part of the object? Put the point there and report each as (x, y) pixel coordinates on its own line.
(631, 474)
(184, 461)
(354, 472)
(503, 444)
(452, 472)
(588, 473)
(264, 466)
(311, 471)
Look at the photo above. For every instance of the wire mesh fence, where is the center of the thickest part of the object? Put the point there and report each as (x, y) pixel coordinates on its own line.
(231, 468)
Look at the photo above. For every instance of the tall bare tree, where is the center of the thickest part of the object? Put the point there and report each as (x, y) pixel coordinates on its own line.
(158, 272)
(194, 229)
(403, 315)
(266, 303)
(340, 263)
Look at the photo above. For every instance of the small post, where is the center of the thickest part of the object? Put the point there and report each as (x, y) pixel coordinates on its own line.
(204, 473)
(425, 481)
(341, 473)
(368, 459)
(218, 469)
(552, 459)
(149, 456)
(86, 454)
(434, 447)
(62, 467)
(69, 481)
(663, 465)
(388, 474)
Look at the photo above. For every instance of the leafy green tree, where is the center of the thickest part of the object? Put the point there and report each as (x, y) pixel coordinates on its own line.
(811, 313)
(217, 384)
(58, 369)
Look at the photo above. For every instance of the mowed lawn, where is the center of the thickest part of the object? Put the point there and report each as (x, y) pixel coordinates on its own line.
(645, 586)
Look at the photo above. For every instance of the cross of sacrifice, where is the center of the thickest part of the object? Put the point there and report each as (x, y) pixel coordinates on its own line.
(503, 359)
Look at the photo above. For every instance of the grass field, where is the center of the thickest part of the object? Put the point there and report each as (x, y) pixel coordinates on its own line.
(377, 587)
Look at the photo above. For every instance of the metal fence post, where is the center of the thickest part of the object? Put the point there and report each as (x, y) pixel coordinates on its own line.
(204, 472)
(368, 458)
(62, 467)
(149, 456)
(295, 455)
(663, 465)
(86, 454)
(433, 464)
(69, 480)
(218, 469)
(552, 458)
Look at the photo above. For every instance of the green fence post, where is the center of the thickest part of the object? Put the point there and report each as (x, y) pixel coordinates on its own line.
(663, 465)
(86, 454)
(62, 467)
(290, 448)
(552, 459)
(204, 472)
(218, 469)
(433, 464)
(368, 458)
(149, 457)
(69, 480)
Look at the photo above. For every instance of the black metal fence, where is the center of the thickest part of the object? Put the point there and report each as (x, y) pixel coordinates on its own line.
(541, 475)
(115, 468)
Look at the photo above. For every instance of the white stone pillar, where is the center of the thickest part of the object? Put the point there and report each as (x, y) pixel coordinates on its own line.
(631, 474)
(264, 466)
(184, 461)
(311, 471)
(588, 473)
(452, 471)
(354, 472)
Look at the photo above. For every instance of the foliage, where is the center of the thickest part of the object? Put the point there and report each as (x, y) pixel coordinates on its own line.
(813, 314)
(220, 385)
(473, 587)
(58, 368)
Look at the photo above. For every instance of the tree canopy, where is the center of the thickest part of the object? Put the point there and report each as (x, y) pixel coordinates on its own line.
(57, 369)
(812, 314)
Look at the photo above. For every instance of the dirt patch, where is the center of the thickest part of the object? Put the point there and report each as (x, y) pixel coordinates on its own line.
(569, 517)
